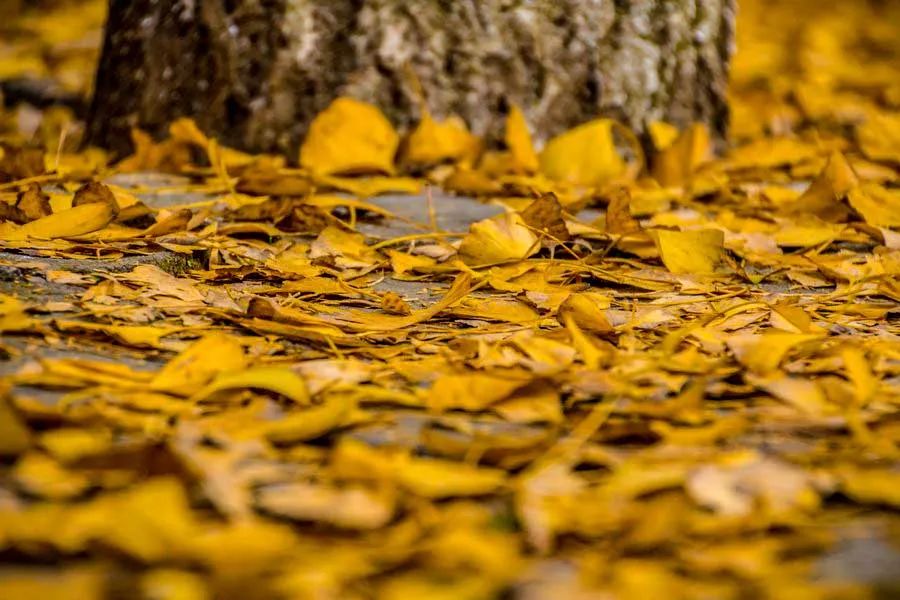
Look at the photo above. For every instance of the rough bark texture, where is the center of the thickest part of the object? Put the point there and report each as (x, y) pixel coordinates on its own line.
(255, 72)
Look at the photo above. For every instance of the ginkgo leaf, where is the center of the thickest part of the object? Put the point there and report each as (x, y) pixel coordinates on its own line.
(585, 155)
(879, 136)
(312, 422)
(690, 252)
(427, 477)
(519, 143)
(545, 217)
(473, 391)
(73, 222)
(274, 379)
(350, 137)
(762, 353)
(498, 239)
(348, 250)
(675, 161)
(871, 486)
(587, 310)
(824, 196)
(15, 437)
(434, 142)
(879, 206)
(433, 478)
(202, 361)
(619, 219)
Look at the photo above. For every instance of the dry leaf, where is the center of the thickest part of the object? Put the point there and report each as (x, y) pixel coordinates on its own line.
(350, 137)
(584, 156)
(434, 142)
(499, 239)
(690, 252)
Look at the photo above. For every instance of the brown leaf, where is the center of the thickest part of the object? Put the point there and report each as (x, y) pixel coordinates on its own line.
(545, 215)
(33, 203)
(618, 214)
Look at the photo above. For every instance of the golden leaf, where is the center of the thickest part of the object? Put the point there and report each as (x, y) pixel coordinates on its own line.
(73, 222)
(499, 239)
(878, 206)
(274, 379)
(434, 142)
(349, 137)
(188, 372)
(690, 252)
(518, 142)
(584, 156)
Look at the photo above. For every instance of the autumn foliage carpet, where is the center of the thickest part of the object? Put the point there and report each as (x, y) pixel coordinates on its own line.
(660, 370)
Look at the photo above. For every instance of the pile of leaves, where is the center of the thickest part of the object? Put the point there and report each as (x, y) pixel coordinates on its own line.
(653, 372)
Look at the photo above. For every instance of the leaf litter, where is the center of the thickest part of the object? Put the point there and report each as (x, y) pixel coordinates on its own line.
(656, 369)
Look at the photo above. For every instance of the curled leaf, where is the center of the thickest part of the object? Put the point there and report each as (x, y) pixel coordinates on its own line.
(274, 379)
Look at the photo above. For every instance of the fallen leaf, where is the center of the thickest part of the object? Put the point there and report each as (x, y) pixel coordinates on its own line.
(274, 379)
(349, 137)
(690, 252)
(584, 156)
(499, 239)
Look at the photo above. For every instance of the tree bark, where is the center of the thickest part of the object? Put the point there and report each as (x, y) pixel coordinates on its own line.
(254, 73)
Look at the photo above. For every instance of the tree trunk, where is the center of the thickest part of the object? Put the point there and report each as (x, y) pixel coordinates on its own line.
(254, 73)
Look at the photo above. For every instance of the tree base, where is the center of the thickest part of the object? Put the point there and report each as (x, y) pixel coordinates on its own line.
(254, 73)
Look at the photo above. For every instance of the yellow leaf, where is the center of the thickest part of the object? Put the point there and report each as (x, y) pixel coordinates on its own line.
(860, 374)
(498, 239)
(350, 137)
(473, 391)
(87, 582)
(156, 524)
(73, 222)
(435, 478)
(274, 379)
(519, 143)
(435, 142)
(674, 164)
(662, 134)
(39, 475)
(824, 196)
(370, 322)
(619, 219)
(346, 249)
(312, 422)
(879, 136)
(763, 353)
(587, 310)
(70, 444)
(367, 187)
(771, 152)
(427, 477)
(543, 355)
(584, 156)
(804, 395)
(871, 486)
(690, 252)
(188, 372)
(132, 335)
(15, 437)
(508, 310)
(880, 207)
(536, 403)
(811, 231)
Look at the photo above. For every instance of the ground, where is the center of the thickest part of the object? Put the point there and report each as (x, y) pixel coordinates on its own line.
(568, 374)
